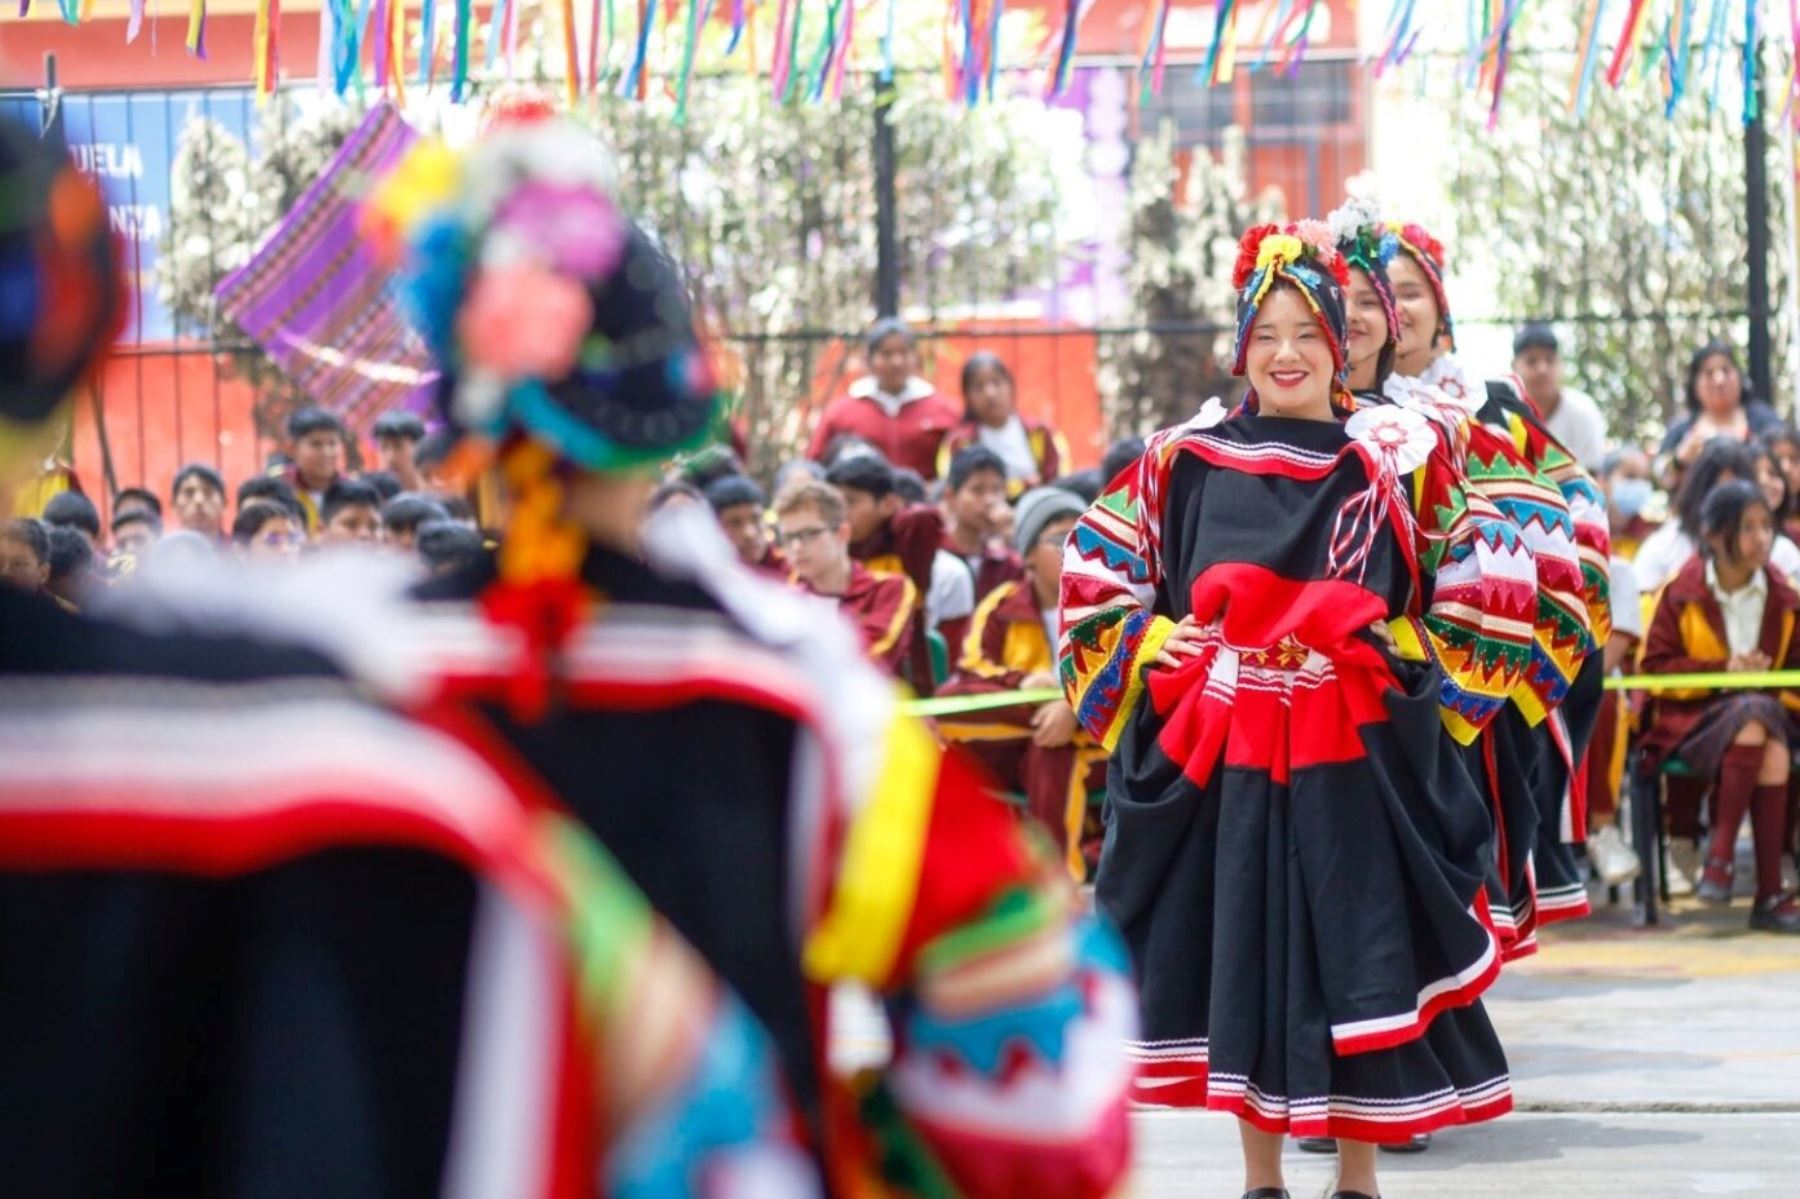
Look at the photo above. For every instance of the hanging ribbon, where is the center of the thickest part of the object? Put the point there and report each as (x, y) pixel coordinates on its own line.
(571, 54)
(1589, 59)
(265, 46)
(819, 66)
(428, 44)
(1628, 36)
(646, 18)
(1395, 36)
(1150, 70)
(1712, 51)
(1752, 48)
(1680, 43)
(132, 28)
(737, 27)
(687, 61)
(887, 39)
(845, 44)
(512, 35)
(778, 69)
(1065, 54)
(993, 47)
(789, 75)
(1222, 54)
(1274, 23)
(1502, 57)
(396, 44)
(196, 31)
(459, 67)
(1295, 54)
(496, 30)
(968, 83)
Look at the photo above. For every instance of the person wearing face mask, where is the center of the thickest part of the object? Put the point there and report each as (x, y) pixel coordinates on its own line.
(1625, 475)
(1719, 404)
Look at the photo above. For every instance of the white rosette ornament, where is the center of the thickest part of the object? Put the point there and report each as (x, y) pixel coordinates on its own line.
(1393, 442)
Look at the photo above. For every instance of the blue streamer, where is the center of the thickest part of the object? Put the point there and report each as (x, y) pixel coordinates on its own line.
(1268, 50)
(1752, 42)
(887, 43)
(1679, 55)
(993, 47)
(643, 48)
(347, 53)
(1590, 65)
(497, 30)
(427, 39)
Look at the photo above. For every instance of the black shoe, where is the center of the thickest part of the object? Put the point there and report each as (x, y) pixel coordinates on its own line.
(1419, 1144)
(1316, 1144)
(1776, 914)
(1715, 882)
(1352, 1195)
(1266, 1193)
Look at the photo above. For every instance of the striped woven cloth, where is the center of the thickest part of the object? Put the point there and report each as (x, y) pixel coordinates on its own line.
(315, 299)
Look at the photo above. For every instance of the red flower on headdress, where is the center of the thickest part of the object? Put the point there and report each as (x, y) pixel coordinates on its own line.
(1420, 239)
(1340, 270)
(523, 107)
(1248, 246)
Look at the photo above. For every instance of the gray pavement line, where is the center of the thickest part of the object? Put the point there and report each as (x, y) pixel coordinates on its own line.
(1659, 1107)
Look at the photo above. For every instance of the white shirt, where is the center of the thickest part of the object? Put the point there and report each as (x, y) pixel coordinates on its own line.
(916, 389)
(1627, 600)
(1052, 618)
(1742, 609)
(1013, 444)
(952, 595)
(1579, 424)
(1667, 550)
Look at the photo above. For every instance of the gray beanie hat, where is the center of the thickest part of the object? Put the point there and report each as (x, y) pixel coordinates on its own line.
(1037, 508)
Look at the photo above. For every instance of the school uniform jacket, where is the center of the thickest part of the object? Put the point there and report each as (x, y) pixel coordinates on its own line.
(1049, 449)
(1687, 636)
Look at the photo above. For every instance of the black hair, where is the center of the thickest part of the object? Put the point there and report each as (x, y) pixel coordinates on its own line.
(1535, 336)
(456, 507)
(139, 495)
(408, 510)
(446, 545)
(71, 509)
(348, 493)
(435, 449)
(670, 489)
(1722, 515)
(886, 327)
(1084, 483)
(909, 484)
(385, 482)
(70, 554)
(1720, 457)
(201, 471)
(270, 489)
(253, 516)
(734, 491)
(1713, 348)
(137, 516)
(306, 421)
(867, 473)
(1119, 455)
(981, 360)
(399, 423)
(971, 462)
(32, 533)
(711, 464)
(850, 445)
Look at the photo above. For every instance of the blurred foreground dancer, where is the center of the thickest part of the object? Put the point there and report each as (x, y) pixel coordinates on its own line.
(259, 937)
(721, 733)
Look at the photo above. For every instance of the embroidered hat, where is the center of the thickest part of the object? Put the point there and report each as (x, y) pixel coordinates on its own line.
(1368, 246)
(1418, 244)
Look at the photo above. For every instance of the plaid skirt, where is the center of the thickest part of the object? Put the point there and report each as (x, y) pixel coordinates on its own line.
(1703, 749)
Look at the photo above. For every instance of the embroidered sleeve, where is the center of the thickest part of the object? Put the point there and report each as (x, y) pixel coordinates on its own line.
(1111, 569)
(1479, 623)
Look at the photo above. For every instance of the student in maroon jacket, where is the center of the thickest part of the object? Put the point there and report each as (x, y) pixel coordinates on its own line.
(1032, 451)
(741, 509)
(891, 408)
(815, 532)
(977, 519)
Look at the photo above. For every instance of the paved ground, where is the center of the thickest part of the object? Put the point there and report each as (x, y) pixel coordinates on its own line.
(1654, 1064)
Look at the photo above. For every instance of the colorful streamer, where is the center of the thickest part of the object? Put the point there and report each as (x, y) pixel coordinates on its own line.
(993, 47)
(196, 30)
(428, 43)
(1628, 37)
(1065, 54)
(1150, 70)
(134, 27)
(687, 60)
(646, 18)
(1590, 58)
(1752, 48)
(1680, 43)
(383, 40)
(1221, 56)
(465, 33)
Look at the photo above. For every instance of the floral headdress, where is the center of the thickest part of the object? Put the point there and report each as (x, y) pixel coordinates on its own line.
(563, 333)
(1428, 252)
(61, 300)
(1368, 245)
(1302, 255)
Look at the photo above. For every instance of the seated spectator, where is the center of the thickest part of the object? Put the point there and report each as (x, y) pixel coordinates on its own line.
(1035, 749)
(813, 525)
(316, 447)
(25, 554)
(135, 530)
(798, 471)
(1572, 416)
(137, 499)
(892, 408)
(1719, 405)
(351, 514)
(432, 457)
(397, 437)
(1625, 477)
(265, 531)
(891, 538)
(1728, 610)
(385, 484)
(72, 510)
(1613, 860)
(1119, 455)
(1033, 452)
(741, 509)
(448, 547)
(198, 496)
(402, 516)
(707, 466)
(71, 564)
(1673, 546)
(459, 510)
(975, 510)
(268, 488)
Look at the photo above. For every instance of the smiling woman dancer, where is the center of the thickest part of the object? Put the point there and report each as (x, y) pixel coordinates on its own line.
(1293, 853)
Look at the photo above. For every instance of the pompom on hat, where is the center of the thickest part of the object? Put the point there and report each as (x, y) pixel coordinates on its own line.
(1303, 256)
(61, 295)
(1419, 245)
(550, 312)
